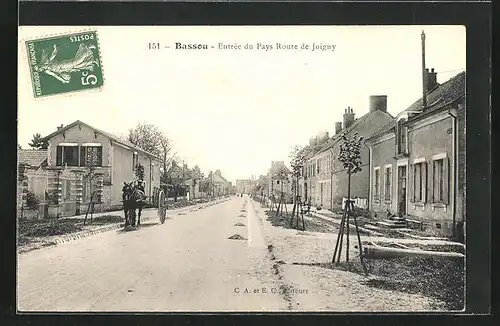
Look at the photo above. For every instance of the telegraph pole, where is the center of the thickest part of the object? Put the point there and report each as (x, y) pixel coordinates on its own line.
(183, 179)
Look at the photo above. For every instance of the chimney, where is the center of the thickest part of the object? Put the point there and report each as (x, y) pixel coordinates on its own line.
(431, 79)
(338, 127)
(424, 74)
(348, 117)
(322, 137)
(378, 102)
(60, 127)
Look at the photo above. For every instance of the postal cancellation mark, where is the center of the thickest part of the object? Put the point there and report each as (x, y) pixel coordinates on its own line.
(66, 63)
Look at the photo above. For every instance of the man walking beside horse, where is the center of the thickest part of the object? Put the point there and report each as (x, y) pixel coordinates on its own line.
(133, 196)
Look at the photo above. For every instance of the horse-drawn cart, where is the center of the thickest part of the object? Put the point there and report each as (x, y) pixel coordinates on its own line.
(135, 199)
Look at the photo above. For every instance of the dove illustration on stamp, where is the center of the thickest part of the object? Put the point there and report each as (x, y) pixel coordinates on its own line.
(65, 63)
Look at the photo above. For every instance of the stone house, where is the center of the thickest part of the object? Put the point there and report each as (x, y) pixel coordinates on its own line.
(280, 181)
(243, 186)
(418, 159)
(325, 179)
(220, 185)
(68, 183)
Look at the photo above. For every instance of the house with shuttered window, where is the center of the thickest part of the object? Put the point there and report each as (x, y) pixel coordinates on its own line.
(76, 147)
(417, 161)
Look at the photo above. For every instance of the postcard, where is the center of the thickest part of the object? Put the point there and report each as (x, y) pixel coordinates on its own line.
(241, 169)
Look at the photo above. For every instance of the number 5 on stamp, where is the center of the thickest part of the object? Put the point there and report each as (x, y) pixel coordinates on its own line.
(66, 63)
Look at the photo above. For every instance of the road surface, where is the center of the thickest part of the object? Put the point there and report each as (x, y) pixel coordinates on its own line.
(186, 264)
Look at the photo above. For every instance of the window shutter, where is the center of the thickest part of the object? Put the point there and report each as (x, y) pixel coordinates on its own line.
(406, 150)
(382, 185)
(445, 181)
(411, 183)
(82, 156)
(435, 182)
(430, 181)
(99, 156)
(390, 186)
(59, 156)
(425, 173)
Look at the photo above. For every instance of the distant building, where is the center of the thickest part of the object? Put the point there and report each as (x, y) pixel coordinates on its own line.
(220, 185)
(418, 159)
(280, 181)
(243, 186)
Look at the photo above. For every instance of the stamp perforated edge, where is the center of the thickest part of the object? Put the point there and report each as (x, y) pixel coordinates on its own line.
(25, 60)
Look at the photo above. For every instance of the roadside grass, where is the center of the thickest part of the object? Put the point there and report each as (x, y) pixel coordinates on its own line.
(33, 230)
(442, 279)
(311, 223)
(439, 278)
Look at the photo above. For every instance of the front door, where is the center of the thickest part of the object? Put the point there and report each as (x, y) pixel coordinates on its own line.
(305, 192)
(402, 176)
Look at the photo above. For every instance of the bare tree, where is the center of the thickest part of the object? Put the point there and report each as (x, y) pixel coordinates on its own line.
(297, 164)
(152, 139)
(197, 176)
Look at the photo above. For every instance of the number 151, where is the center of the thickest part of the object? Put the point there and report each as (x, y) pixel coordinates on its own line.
(154, 46)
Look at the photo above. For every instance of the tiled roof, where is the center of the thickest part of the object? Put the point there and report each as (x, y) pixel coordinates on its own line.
(32, 157)
(447, 92)
(450, 91)
(332, 141)
(107, 134)
(277, 167)
(386, 128)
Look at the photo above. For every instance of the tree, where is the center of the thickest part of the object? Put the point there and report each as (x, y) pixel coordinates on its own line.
(139, 171)
(37, 142)
(350, 156)
(150, 138)
(196, 176)
(297, 164)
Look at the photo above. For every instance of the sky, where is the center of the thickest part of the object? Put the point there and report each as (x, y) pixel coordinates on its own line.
(239, 110)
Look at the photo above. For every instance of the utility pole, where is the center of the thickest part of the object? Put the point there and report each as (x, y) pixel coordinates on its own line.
(183, 180)
(424, 74)
(331, 177)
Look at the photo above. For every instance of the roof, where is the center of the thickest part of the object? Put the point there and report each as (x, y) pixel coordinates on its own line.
(335, 139)
(384, 129)
(448, 92)
(111, 136)
(32, 157)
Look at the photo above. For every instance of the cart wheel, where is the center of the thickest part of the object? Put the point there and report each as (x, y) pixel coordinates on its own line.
(162, 206)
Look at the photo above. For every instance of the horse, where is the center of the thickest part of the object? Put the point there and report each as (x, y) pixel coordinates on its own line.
(132, 200)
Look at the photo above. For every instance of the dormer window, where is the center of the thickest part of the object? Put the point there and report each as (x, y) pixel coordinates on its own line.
(402, 137)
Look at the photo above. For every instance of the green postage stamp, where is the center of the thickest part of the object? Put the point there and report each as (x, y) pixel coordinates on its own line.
(65, 63)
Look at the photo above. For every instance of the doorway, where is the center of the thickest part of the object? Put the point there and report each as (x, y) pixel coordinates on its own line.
(402, 182)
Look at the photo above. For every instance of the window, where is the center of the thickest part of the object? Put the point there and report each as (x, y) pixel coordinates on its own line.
(67, 155)
(419, 182)
(134, 160)
(90, 156)
(388, 178)
(440, 180)
(402, 137)
(376, 190)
